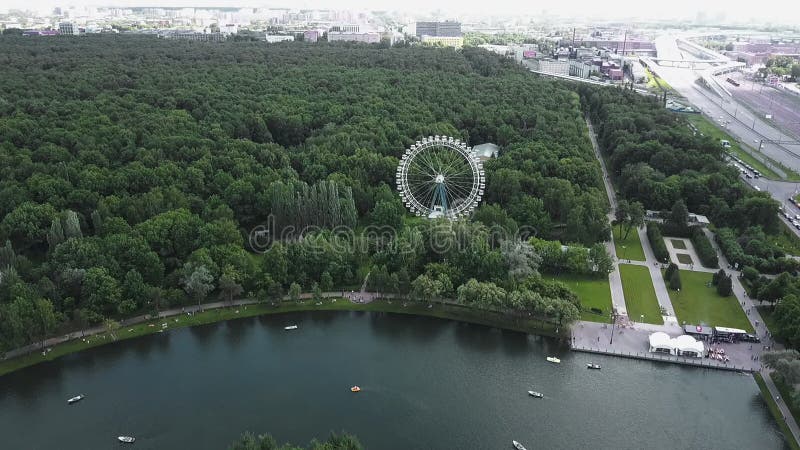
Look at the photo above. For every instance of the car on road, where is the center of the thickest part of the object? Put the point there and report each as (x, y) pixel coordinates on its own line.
(748, 175)
(797, 217)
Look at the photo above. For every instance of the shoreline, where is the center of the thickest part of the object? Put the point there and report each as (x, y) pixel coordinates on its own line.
(213, 314)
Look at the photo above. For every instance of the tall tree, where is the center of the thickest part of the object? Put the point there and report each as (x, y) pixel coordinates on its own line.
(198, 283)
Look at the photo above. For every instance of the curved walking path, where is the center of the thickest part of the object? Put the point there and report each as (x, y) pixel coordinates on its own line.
(361, 297)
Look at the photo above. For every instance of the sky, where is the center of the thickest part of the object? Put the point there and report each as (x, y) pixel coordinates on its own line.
(773, 11)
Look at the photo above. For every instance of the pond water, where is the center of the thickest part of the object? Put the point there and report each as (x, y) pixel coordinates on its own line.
(426, 384)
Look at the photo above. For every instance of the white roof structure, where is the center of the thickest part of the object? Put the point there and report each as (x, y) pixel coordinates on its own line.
(730, 330)
(660, 340)
(684, 344)
(486, 151)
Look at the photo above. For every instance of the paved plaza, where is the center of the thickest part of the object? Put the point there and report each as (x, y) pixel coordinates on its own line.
(632, 341)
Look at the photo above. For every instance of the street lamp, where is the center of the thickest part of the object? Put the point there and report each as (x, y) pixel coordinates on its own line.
(613, 323)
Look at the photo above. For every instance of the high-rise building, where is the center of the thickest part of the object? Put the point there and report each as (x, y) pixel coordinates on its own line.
(439, 29)
(67, 28)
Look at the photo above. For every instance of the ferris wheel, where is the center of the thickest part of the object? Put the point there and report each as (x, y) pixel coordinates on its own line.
(440, 177)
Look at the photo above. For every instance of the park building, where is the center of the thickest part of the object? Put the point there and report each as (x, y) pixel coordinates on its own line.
(486, 151)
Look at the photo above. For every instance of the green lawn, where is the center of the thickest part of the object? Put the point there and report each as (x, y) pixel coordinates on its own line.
(678, 244)
(640, 297)
(698, 304)
(633, 246)
(776, 413)
(592, 292)
(708, 128)
(684, 258)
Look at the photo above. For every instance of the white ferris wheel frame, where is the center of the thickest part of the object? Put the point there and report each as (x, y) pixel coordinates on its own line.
(467, 205)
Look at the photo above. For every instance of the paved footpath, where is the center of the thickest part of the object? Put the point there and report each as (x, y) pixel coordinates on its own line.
(358, 297)
(614, 279)
(658, 280)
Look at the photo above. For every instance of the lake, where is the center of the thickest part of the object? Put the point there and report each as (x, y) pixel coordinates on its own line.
(426, 384)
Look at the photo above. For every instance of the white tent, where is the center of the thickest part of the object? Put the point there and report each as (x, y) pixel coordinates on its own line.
(661, 342)
(687, 346)
(684, 345)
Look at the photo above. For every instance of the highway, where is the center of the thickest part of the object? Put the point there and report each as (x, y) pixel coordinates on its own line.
(739, 122)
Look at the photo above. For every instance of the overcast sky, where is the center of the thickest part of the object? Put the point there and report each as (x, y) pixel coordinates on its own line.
(771, 11)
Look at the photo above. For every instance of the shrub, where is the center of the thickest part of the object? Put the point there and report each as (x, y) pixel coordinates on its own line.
(705, 251)
(657, 242)
(725, 285)
(675, 280)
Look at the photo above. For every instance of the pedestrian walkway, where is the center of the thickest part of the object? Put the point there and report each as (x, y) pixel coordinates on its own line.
(632, 341)
(614, 279)
(361, 297)
(659, 286)
(785, 412)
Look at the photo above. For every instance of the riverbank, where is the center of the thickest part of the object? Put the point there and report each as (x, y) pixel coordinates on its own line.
(250, 309)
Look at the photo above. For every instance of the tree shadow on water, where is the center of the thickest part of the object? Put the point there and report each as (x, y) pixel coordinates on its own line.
(416, 328)
(33, 382)
(204, 334)
(235, 330)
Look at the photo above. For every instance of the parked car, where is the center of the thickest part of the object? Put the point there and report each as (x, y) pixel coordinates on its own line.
(751, 338)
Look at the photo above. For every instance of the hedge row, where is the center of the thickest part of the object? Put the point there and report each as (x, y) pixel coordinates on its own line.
(657, 242)
(706, 253)
(726, 238)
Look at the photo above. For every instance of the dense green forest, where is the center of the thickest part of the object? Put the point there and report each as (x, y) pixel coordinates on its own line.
(135, 169)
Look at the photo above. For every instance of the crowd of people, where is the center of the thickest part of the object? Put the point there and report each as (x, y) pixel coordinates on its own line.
(718, 354)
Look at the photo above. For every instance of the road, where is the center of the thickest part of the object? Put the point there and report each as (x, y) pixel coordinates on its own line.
(739, 122)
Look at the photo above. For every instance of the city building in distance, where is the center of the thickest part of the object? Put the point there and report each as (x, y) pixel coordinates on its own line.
(439, 29)
(352, 33)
